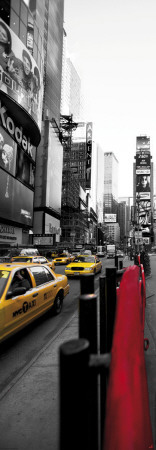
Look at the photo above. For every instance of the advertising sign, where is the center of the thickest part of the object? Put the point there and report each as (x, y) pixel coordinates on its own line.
(154, 208)
(143, 162)
(15, 160)
(16, 200)
(110, 218)
(20, 77)
(54, 172)
(89, 132)
(143, 186)
(142, 143)
(8, 149)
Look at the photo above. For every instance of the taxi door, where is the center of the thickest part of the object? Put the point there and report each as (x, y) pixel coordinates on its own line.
(46, 286)
(19, 310)
(98, 265)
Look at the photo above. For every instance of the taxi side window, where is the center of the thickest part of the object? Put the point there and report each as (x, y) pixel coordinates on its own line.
(43, 260)
(41, 275)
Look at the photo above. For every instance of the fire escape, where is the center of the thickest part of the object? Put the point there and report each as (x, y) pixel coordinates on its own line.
(73, 221)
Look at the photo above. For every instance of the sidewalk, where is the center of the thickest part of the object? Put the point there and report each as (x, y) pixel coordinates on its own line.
(30, 407)
(150, 333)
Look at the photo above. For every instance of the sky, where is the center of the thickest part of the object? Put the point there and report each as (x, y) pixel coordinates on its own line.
(112, 44)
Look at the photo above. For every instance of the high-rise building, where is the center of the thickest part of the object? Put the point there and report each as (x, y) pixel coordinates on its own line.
(110, 183)
(143, 191)
(30, 180)
(71, 98)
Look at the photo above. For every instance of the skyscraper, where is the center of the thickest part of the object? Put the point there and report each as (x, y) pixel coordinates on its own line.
(110, 183)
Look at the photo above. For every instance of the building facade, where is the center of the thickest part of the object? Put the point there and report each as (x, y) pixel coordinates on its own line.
(110, 183)
(143, 191)
(21, 99)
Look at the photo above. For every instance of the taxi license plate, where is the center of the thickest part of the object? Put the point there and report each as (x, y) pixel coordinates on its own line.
(76, 273)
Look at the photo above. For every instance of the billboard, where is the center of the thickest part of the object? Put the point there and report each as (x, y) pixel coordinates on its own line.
(110, 218)
(20, 77)
(15, 160)
(142, 143)
(54, 172)
(144, 213)
(89, 135)
(143, 187)
(16, 200)
(143, 162)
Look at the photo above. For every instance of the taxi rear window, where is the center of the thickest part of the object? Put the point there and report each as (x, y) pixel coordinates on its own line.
(41, 275)
(20, 259)
(4, 275)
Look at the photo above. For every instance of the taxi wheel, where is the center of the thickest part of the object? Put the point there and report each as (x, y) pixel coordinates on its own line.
(58, 303)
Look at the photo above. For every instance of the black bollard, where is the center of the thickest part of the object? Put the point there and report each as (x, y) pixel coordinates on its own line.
(116, 261)
(88, 330)
(103, 347)
(110, 304)
(87, 284)
(88, 320)
(103, 315)
(74, 396)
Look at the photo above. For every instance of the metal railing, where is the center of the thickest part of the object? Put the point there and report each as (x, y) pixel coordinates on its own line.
(85, 363)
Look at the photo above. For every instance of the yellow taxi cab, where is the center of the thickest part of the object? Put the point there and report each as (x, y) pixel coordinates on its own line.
(27, 292)
(83, 264)
(54, 254)
(33, 259)
(63, 258)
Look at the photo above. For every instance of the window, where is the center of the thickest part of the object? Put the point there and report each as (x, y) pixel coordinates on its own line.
(41, 275)
(16, 6)
(14, 22)
(23, 33)
(24, 13)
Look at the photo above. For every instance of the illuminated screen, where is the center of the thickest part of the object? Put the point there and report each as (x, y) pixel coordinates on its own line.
(20, 77)
(16, 200)
(142, 142)
(143, 183)
(143, 160)
(25, 169)
(7, 152)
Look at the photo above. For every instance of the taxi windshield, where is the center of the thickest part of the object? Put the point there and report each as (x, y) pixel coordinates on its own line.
(4, 275)
(87, 259)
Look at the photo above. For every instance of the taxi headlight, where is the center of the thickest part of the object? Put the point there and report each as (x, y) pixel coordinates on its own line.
(88, 268)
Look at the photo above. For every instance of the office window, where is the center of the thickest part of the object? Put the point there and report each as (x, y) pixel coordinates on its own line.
(16, 6)
(35, 34)
(23, 33)
(14, 22)
(35, 52)
(24, 13)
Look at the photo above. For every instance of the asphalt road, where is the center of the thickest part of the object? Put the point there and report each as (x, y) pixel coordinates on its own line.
(19, 350)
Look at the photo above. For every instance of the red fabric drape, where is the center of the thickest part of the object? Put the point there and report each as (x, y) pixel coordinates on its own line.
(127, 423)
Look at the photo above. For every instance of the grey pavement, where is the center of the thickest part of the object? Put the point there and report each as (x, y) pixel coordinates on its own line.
(150, 333)
(29, 407)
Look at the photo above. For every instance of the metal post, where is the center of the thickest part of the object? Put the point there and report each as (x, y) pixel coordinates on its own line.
(88, 320)
(87, 284)
(110, 304)
(116, 262)
(103, 315)
(88, 330)
(74, 397)
(103, 349)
